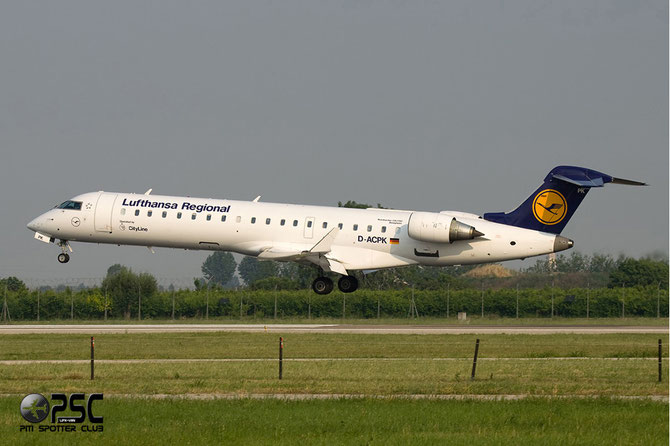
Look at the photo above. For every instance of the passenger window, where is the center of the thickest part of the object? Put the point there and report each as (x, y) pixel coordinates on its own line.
(192, 216)
(149, 213)
(238, 219)
(295, 222)
(137, 212)
(355, 227)
(164, 214)
(369, 228)
(340, 225)
(282, 222)
(253, 220)
(123, 211)
(383, 229)
(209, 217)
(325, 225)
(309, 223)
(223, 218)
(178, 215)
(267, 221)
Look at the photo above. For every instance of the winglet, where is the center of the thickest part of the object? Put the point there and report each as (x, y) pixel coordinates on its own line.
(148, 192)
(255, 200)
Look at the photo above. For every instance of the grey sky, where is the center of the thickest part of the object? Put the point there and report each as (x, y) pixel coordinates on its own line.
(417, 105)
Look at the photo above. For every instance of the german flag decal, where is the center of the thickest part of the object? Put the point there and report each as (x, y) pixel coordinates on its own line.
(395, 241)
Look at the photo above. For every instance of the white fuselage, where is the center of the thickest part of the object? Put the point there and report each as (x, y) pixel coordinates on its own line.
(363, 241)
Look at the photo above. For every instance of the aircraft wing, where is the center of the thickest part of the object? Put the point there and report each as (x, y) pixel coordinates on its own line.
(317, 254)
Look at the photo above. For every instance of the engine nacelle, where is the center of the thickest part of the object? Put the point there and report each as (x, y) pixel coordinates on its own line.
(439, 228)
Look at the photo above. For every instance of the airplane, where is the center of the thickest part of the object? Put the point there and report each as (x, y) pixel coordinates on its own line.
(337, 240)
(34, 408)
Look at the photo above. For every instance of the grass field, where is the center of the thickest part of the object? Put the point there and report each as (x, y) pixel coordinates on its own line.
(558, 367)
(360, 421)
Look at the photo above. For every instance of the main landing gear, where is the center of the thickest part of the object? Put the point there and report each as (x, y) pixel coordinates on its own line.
(64, 257)
(324, 285)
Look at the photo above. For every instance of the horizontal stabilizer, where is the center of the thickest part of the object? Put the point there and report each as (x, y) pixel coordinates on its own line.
(628, 182)
(582, 182)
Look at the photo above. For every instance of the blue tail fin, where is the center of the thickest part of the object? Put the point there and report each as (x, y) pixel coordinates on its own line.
(552, 205)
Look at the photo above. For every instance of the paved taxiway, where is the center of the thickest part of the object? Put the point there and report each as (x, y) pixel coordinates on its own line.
(332, 328)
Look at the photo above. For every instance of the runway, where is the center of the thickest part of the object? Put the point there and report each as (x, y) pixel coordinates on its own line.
(330, 328)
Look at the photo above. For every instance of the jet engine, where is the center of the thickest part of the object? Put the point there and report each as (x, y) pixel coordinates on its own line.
(439, 228)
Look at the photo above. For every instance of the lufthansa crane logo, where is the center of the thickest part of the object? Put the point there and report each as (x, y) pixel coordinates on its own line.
(550, 207)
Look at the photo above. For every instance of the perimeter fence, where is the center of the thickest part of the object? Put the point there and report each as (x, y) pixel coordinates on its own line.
(96, 304)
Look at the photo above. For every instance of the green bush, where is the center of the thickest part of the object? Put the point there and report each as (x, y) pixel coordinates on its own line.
(90, 303)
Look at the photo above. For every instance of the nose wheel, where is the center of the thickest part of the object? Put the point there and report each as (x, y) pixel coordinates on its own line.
(64, 257)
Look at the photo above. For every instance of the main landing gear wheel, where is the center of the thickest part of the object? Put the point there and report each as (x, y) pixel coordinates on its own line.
(347, 284)
(322, 285)
(63, 257)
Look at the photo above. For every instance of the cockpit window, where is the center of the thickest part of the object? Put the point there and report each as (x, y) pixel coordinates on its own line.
(74, 205)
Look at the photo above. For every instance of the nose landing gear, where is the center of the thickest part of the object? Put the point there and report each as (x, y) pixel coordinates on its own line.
(64, 257)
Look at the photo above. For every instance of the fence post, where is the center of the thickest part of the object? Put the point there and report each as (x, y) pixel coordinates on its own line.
(474, 361)
(517, 301)
(588, 296)
(482, 305)
(552, 299)
(207, 302)
(5, 308)
(448, 296)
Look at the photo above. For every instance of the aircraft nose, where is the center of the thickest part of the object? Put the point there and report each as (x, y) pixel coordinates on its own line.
(36, 224)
